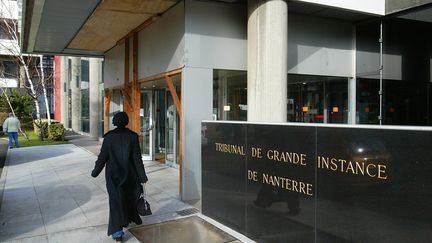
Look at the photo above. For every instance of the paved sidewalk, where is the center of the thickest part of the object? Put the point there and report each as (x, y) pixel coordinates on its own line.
(49, 196)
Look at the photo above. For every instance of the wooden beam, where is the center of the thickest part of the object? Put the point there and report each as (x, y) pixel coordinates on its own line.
(160, 76)
(126, 62)
(177, 104)
(174, 95)
(107, 102)
(136, 89)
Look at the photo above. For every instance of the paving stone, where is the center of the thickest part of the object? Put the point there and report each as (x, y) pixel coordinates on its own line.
(38, 239)
(50, 196)
(21, 227)
(58, 221)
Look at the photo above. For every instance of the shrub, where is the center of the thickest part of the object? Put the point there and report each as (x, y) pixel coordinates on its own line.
(44, 127)
(56, 132)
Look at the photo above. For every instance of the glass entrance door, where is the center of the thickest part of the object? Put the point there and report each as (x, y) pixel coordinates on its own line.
(171, 131)
(147, 124)
(160, 123)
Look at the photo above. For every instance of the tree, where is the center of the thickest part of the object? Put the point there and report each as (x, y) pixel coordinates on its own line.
(20, 105)
(34, 76)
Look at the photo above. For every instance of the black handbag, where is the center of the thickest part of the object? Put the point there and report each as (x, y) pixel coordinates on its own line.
(143, 206)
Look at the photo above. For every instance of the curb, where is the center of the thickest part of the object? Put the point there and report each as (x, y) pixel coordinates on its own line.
(3, 176)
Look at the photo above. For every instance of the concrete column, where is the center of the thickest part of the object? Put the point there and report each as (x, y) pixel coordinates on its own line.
(196, 106)
(76, 93)
(267, 60)
(95, 79)
(64, 90)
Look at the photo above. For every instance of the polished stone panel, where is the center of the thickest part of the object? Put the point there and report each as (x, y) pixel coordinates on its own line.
(223, 175)
(283, 158)
(391, 203)
(319, 184)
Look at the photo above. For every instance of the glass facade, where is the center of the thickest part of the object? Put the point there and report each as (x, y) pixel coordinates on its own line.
(229, 95)
(317, 99)
(405, 74)
(392, 83)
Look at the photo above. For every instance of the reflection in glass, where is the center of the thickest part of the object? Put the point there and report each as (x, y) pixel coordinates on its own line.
(146, 123)
(406, 75)
(229, 95)
(368, 101)
(317, 99)
(170, 120)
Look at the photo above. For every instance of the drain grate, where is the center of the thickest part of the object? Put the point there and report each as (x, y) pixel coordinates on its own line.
(187, 211)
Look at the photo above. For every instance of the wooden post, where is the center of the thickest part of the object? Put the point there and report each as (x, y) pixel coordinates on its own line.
(107, 102)
(136, 89)
(127, 104)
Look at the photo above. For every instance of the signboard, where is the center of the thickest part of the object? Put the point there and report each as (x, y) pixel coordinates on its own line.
(287, 183)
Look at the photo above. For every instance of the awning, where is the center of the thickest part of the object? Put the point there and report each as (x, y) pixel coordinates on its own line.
(83, 27)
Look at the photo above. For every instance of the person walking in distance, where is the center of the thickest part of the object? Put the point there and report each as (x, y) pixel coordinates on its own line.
(11, 126)
(124, 173)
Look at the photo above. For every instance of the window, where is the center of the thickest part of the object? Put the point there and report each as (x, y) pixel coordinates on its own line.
(229, 95)
(85, 70)
(406, 71)
(7, 30)
(9, 69)
(317, 99)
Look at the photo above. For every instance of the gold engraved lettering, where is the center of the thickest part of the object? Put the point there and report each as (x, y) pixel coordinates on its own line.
(333, 164)
(360, 167)
(342, 162)
(370, 169)
(256, 152)
(294, 186)
(288, 157)
(252, 175)
(288, 184)
(350, 168)
(381, 172)
(229, 148)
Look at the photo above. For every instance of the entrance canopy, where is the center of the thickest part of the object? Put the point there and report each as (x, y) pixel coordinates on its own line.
(83, 27)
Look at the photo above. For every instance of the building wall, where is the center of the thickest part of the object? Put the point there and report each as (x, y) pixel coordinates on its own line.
(114, 67)
(161, 45)
(216, 35)
(392, 6)
(8, 83)
(196, 106)
(216, 38)
(9, 9)
(315, 50)
(367, 6)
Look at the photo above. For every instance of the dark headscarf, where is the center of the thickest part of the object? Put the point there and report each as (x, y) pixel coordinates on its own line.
(120, 119)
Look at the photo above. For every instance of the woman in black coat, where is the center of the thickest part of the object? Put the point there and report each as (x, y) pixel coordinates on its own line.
(124, 175)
